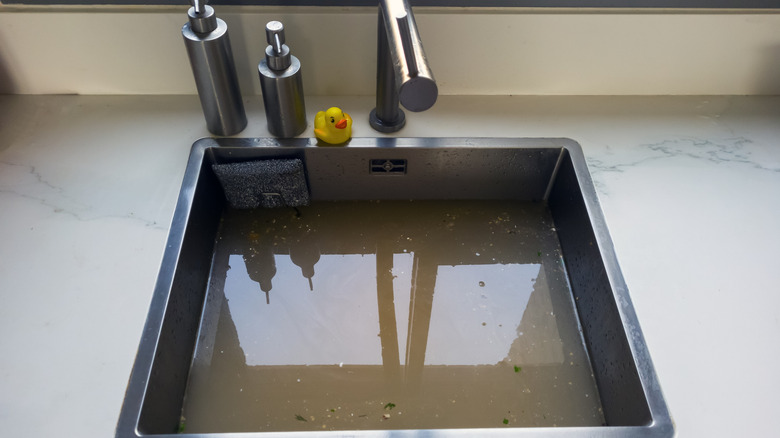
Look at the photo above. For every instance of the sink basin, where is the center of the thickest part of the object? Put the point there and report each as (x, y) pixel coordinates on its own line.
(432, 287)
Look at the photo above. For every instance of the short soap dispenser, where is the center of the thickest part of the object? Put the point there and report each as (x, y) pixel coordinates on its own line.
(282, 86)
(211, 58)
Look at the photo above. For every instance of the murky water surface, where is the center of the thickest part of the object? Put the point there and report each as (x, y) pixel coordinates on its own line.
(389, 315)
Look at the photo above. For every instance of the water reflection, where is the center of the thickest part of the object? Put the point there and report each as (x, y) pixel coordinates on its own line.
(331, 326)
(305, 255)
(261, 267)
(418, 302)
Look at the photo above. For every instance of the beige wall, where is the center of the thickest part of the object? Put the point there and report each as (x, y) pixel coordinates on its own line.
(499, 51)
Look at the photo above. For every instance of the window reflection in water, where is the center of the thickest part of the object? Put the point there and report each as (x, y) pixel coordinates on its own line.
(356, 305)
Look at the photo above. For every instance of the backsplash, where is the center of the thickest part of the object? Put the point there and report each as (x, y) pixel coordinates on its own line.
(471, 52)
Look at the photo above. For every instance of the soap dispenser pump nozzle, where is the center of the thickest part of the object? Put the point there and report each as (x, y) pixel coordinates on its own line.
(203, 19)
(277, 54)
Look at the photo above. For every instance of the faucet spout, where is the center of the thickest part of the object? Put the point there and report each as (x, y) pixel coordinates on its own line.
(403, 74)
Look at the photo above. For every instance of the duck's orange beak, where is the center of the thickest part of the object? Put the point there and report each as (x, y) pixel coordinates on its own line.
(341, 124)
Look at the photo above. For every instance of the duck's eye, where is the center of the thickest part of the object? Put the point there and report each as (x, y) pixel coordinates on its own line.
(332, 120)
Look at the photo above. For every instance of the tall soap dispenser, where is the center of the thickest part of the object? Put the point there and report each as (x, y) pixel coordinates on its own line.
(282, 86)
(211, 58)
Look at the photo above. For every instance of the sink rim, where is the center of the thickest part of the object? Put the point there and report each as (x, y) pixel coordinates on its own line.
(661, 423)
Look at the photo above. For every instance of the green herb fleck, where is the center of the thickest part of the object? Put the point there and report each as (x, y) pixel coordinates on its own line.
(518, 369)
(505, 421)
(389, 406)
(538, 253)
(299, 418)
(181, 427)
(333, 410)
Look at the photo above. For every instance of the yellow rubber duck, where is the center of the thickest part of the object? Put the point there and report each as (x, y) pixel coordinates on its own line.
(333, 126)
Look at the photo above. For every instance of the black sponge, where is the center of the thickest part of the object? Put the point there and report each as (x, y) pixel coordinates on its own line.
(264, 183)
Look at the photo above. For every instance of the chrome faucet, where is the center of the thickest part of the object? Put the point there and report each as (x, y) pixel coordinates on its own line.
(402, 72)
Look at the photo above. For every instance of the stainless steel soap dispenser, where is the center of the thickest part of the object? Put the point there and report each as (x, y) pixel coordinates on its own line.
(282, 86)
(211, 58)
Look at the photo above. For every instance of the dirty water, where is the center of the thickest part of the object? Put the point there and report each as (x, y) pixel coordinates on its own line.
(389, 315)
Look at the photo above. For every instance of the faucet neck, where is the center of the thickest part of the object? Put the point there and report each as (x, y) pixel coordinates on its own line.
(403, 74)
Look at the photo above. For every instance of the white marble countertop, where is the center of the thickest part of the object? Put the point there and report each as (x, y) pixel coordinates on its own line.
(689, 186)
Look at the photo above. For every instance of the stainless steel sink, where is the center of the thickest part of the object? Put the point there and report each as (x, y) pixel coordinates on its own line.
(583, 326)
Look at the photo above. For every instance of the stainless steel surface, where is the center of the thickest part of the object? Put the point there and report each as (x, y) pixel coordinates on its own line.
(198, 5)
(403, 74)
(211, 58)
(274, 34)
(277, 54)
(282, 85)
(552, 171)
(202, 17)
